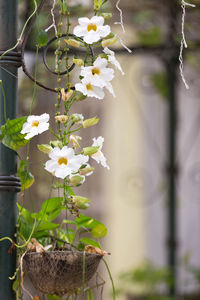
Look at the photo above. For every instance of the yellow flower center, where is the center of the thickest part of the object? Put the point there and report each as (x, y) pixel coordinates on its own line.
(35, 123)
(62, 160)
(96, 71)
(89, 87)
(92, 27)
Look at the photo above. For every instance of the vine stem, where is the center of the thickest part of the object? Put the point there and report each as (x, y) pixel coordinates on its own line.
(54, 133)
(111, 279)
(22, 32)
(24, 245)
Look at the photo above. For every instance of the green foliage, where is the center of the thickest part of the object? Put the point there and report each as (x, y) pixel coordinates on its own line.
(149, 278)
(49, 211)
(10, 134)
(26, 178)
(150, 37)
(42, 38)
(88, 241)
(159, 81)
(97, 228)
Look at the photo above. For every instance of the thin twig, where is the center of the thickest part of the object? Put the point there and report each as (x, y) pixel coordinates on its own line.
(183, 41)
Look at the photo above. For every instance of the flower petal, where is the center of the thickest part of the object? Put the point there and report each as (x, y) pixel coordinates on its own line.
(44, 118)
(98, 20)
(110, 89)
(80, 31)
(51, 165)
(81, 88)
(100, 62)
(84, 21)
(104, 30)
(91, 37)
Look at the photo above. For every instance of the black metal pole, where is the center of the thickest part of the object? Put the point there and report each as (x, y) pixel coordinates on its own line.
(9, 184)
(172, 60)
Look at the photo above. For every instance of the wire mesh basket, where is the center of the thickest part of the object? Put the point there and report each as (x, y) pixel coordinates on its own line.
(60, 272)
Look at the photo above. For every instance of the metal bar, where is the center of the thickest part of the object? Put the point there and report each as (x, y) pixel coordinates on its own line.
(8, 158)
(172, 61)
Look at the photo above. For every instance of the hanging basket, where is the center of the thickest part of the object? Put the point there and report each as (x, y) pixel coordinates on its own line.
(60, 272)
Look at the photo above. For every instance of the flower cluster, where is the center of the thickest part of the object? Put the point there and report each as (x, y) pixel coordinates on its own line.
(96, 76)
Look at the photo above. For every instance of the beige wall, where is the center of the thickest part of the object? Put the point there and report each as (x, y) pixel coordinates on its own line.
(126, 240)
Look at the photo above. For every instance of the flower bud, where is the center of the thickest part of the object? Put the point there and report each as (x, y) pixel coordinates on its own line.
(86, 171)
(80, 202)
(56, 144)
(97, 4)
(74, 139)
(79, 62)
(45, 148)
(77, 118)
(73, 43)
(79, 96)
(62, 118)
(90, 150)
(110, 36)
(77, 180)
(66, 96)
(109, 42)
(106, 16)
(90, 122)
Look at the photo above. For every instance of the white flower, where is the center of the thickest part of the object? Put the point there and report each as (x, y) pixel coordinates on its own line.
(64, 162)
(98, 74)
(88, 89)
(92, 30)
(35, 125)
(112, 59)
(98, 156)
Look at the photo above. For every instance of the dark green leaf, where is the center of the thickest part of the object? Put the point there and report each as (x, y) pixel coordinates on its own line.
(12, 138)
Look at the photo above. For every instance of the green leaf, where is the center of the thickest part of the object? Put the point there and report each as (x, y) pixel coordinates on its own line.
(27, 179)
(42, 38)
(44, 225)
(99, 231)
(25, 229)
(67, 235)
(69, 222)
(25, 213)
(12, 138)
(16, 285)
(88, 241)
(51, 205)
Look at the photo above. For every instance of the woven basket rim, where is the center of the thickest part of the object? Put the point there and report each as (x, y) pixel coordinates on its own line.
(64, 251)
